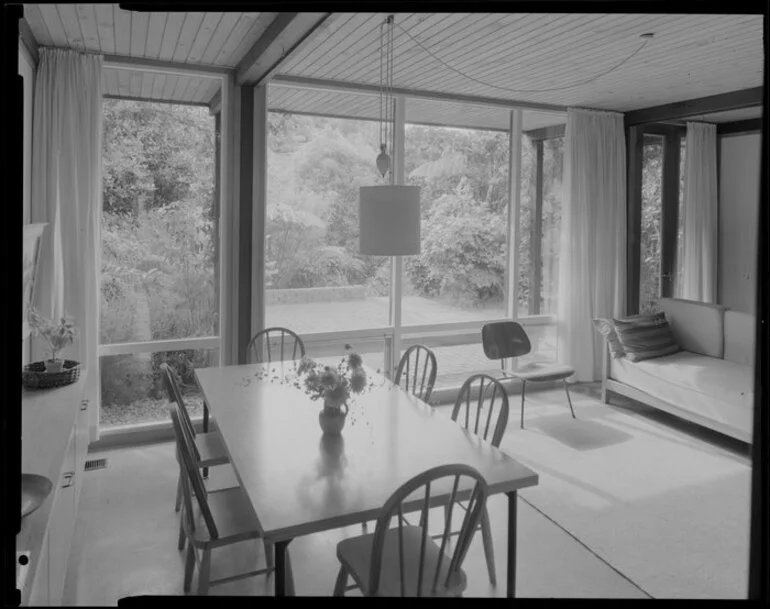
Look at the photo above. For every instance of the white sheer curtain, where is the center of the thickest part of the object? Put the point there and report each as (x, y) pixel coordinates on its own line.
(592, 256)
(66, 193)
(698, 267)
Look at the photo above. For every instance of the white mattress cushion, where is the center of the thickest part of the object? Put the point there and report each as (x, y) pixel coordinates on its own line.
(697, 326)
(740, 334)
(717, 389)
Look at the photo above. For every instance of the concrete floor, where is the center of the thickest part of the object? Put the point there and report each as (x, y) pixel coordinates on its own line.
(126, 544)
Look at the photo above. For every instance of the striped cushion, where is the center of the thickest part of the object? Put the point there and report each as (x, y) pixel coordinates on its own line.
(646, 337)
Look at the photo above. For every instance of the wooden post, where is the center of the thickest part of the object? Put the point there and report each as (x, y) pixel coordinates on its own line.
(536, 234)
(634, 140)
(669, 212)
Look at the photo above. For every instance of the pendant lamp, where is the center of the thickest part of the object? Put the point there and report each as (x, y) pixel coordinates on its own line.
(389, 214)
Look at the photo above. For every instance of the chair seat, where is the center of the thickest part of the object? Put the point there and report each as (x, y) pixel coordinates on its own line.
(211, 448)
(233, 516)
(355, 554)
(536, 371)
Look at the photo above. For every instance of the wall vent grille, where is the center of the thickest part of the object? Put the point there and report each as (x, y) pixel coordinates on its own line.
(95, 464)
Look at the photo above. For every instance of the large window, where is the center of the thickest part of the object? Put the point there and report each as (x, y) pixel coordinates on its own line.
(159, 282)
(652, 203)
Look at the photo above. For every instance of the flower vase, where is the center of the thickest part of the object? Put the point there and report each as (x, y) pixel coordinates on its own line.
(332, 418)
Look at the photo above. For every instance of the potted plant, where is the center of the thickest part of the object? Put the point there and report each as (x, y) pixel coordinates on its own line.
(57, 335)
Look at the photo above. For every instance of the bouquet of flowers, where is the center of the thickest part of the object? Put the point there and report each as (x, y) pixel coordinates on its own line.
(333, 384)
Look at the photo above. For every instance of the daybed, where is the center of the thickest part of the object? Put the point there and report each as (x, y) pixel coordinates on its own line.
(709, 382)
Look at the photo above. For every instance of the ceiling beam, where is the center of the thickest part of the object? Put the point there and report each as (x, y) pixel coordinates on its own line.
(348, 87)
(735, 100)
(154, 100)
(546, 133)
(281, 38)
(28, 39)
(750, 125)
(164, 67)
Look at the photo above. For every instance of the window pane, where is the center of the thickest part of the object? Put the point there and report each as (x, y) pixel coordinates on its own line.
(680, 216)
(132, 388)
(652, 184)
(463, 177)
(553, 154)
(316, 280)
(159, 258)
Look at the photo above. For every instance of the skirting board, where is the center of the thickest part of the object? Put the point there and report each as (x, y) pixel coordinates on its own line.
(645, 398)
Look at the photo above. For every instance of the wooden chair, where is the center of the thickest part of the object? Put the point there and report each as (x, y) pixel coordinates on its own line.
(506, 339)
(496, 398)
(413, 375)
(221, 519)
(404, 560)
(260, 345)
(208, 448)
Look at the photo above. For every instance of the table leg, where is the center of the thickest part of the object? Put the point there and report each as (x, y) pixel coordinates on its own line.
(512, 499)
(205, 429)
(284, 578)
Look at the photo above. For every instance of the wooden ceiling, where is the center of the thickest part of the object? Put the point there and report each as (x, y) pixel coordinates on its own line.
(556, 59)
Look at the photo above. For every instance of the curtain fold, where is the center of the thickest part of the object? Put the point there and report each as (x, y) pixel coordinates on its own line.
(592, 259)
(698, 267)
(66, 193)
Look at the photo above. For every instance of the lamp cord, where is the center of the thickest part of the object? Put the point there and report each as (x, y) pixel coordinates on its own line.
(442, 62)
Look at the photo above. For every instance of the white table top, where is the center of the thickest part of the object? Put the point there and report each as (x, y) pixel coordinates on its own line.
(301, 482)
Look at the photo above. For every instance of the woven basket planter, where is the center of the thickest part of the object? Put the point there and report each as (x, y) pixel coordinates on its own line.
(34, 376)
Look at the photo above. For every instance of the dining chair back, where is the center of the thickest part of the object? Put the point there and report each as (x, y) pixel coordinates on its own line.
(445, 567)
(192, 481)
(417, 381)
(273, 344)
(476, 391)
(504, 339)
(175, 396)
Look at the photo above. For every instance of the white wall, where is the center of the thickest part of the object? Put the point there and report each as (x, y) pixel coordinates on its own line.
(27, 71)
(738, 218)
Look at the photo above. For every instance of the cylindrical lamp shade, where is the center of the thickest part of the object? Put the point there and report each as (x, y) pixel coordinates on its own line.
(390, 220)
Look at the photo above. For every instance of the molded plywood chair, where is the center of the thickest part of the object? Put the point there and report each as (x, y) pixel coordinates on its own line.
(487, 390)
(416, 381)
(404, 560)
(208, 448)
(506, 339)
(221, 519)
(272, 344)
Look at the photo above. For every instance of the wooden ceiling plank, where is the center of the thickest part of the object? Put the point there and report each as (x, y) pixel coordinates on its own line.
(326, 40)
(122, 23)
(53, 24)
(110, 82)
(87, 18)
(281, 38)
(148, 78)
(355, 31)
(187, 34)
(155, 27)
(226, 57)
(219, 37)
(37, 24)
(140, 23)
(199, 92)
(135, 84)
(169, 86)
(124, 82)
(214, 97)
(174, 22)
(426, 29)
(181, 88)
(158, 86)
(105, 25)
(203, 38)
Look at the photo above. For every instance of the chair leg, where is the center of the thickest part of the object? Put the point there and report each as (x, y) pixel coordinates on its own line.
(364, 527)
(566, 388)
(204, 572)
(269, 554)
(523, 390)
(181, 534)
(188, 567)
(178, 504)
(290, 591)
(489, 552)
(341, 583)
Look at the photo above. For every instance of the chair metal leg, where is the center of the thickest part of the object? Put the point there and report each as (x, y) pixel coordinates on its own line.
(204, 572)
(364, 527)
(180, 545)
(341, 583)
(178, 504)
(523, 390)
(188, 567)
(290, 591)
(489, 552)
(566, 388)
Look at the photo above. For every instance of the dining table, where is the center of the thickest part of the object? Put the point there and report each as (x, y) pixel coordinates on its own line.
(301, 482)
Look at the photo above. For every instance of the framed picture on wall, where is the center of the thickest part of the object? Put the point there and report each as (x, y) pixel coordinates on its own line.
(31, 261)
